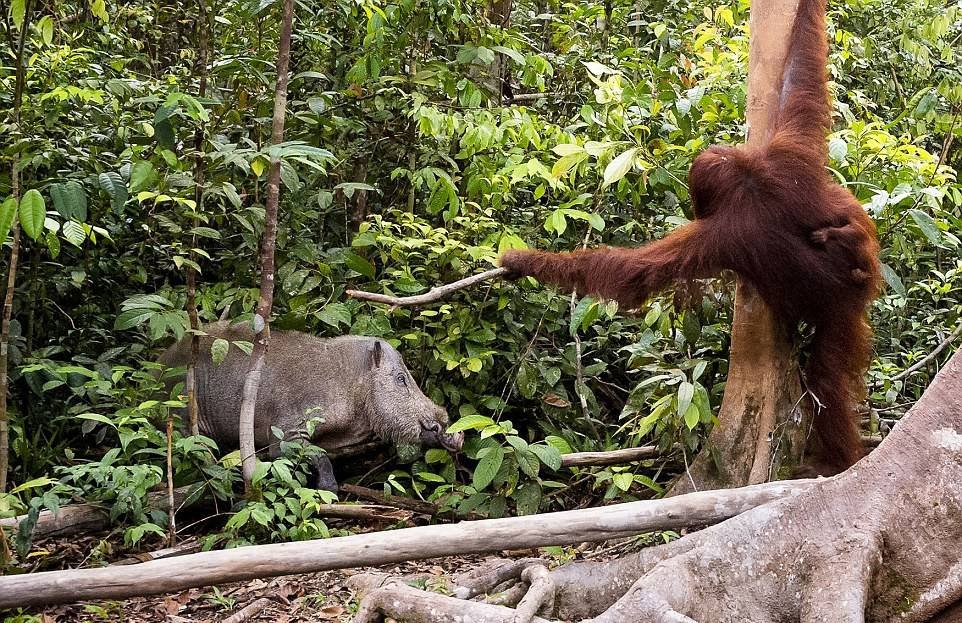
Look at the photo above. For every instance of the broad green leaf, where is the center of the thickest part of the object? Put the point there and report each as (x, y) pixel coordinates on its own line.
(620, 166)
(18, 10)
(43, 481)
(471, 422)
(335, 313)
(549, 455)
(623, 480)
(516, 56)
(8, 212)
(32, 213)
(892, 279)
(99, 9)
(568, 149)
(46, 29)
(528, 498)
(567, 162)
(686, 391)
(132, 318)
(218, 350)
(53, 244)
(358, 264)
(584, 314)
(558, 443)
(114, 185)
(692, 416)
(142, 175)
(928, 226)
(73, 232)
(528, 462)
(488, 468)
(96, 417)
(837, 149)
(258, 165)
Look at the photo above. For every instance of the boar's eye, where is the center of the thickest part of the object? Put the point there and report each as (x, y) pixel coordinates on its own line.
(400, 380)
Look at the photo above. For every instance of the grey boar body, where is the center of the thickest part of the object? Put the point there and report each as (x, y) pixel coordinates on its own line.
(354, 387)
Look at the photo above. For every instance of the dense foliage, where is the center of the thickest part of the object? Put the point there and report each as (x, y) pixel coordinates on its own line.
(422, 139)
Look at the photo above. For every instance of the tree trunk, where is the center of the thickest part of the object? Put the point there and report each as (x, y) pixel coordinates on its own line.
(190, 384)
(758, 426)
(19, 86)
(262, 317)
(876, 543)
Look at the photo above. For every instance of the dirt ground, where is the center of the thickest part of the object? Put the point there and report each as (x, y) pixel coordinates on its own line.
(289, 599)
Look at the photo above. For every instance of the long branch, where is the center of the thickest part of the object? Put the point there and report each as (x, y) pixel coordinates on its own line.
(265, 301)
(434, 294)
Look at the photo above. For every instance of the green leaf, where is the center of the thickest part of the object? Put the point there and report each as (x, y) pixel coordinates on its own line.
(96, 417)
(558, 443)
(928, 226)
(218, 350)
(73, 232)
(18, 10)
(132, 318)
(620, 166)
(549, 455)
(584, 314)
(567, 162)
(692, 416)
(142, 175)
(43, 481)
(623, 480)
(488, 468)
(471, 422)
(516, 56)
(53, 244)
(528, 498)
(46, 29)
(99, 9)
(892, 279)
(260, 470)
(837, 149)
(8, 211)
(113, 185)
(335, 313)
(32, 213)
(358, 264)
(686, 391)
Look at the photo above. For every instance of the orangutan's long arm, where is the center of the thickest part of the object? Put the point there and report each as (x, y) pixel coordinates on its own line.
(628, 276)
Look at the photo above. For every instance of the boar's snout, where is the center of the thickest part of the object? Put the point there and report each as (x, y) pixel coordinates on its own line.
(433, 436)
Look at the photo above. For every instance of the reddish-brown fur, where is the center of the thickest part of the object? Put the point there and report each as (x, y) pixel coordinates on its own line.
(774, 215)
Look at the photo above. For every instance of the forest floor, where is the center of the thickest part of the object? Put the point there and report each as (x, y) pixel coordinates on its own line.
(300, 598)
(293, 599)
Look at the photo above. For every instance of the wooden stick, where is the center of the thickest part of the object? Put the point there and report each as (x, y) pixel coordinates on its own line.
(434, 294)
(396, 501)
(612, 457)
(379, 548)
(249, 611)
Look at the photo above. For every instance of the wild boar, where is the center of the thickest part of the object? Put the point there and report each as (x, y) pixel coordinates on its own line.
(352, 387)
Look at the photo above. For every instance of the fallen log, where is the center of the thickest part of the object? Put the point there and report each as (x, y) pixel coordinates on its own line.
(91, 517)
(379, 548)
(396, 501)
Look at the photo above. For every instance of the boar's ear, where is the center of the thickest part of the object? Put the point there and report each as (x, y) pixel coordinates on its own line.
(376, 354)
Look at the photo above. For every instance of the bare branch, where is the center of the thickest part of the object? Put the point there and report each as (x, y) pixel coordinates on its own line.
(431, 295)
(935, 353)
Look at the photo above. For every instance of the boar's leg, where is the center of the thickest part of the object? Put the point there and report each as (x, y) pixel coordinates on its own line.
(323, 474)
